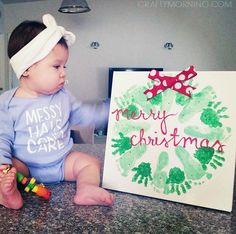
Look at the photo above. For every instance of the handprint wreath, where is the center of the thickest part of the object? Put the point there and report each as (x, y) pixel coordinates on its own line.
(193, 168)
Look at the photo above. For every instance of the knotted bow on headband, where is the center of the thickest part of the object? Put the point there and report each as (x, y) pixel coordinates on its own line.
(40, 46)
(176, 83)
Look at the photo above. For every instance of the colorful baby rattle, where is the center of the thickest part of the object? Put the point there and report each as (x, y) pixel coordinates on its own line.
(30, 184)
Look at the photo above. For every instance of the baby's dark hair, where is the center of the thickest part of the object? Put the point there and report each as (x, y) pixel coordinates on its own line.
(24, 33)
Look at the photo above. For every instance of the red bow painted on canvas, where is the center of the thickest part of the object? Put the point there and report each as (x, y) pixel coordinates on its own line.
(176, 82)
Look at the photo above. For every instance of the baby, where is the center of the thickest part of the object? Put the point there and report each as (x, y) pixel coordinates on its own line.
(36, 117)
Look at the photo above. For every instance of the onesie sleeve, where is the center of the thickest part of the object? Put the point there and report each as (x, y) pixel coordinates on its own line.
(87, 114)
(6, 136)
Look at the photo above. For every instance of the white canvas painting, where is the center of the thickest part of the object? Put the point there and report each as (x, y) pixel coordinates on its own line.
(174, 144)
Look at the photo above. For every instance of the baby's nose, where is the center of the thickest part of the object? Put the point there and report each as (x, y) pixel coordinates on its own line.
(63, 72)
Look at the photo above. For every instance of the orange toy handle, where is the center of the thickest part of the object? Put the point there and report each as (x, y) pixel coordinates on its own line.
(31, 185)
(42, 191)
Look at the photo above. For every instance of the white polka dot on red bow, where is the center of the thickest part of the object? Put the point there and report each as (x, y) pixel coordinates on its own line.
(181, 77)
(178, 85)
(153, 72)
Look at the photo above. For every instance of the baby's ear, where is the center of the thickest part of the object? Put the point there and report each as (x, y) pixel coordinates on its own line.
(25, 73)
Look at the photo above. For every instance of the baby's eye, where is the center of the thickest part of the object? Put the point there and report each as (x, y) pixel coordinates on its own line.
(56, 66)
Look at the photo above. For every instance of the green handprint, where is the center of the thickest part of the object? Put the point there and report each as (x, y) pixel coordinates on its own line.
(123, 144)
(206, 156)
(177, 181)
(128, 159)
(196, 104)
(221, 134)
(160, 175)
(129, 102)
(134, 100)
(182, 99)
(144, 172)
(133, 126)
(192, 168)
(131, 111)
(211, 115)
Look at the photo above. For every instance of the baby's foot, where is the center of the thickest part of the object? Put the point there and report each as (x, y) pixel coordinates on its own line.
(88, 194)
(10, 197)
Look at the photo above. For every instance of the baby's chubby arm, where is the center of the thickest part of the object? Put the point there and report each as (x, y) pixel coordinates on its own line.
(6, 137)
(89, 114)
(96, 114)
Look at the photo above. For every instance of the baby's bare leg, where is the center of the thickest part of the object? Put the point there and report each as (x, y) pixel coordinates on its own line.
(85, 170)
(10, 197)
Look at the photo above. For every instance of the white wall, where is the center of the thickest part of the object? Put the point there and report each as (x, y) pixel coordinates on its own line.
(1, 17)
(132, 33)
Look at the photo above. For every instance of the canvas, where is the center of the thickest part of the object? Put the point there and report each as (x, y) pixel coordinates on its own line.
(172, 136)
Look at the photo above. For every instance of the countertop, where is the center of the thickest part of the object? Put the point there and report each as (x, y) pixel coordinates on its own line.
(130, 213)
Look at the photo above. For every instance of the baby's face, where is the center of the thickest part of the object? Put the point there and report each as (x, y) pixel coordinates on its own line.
(48, 75)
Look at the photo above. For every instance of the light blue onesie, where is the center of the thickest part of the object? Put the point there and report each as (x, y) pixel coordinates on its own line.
(37, 131)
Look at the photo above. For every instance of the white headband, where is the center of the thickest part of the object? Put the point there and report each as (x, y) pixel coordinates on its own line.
(40, 46)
